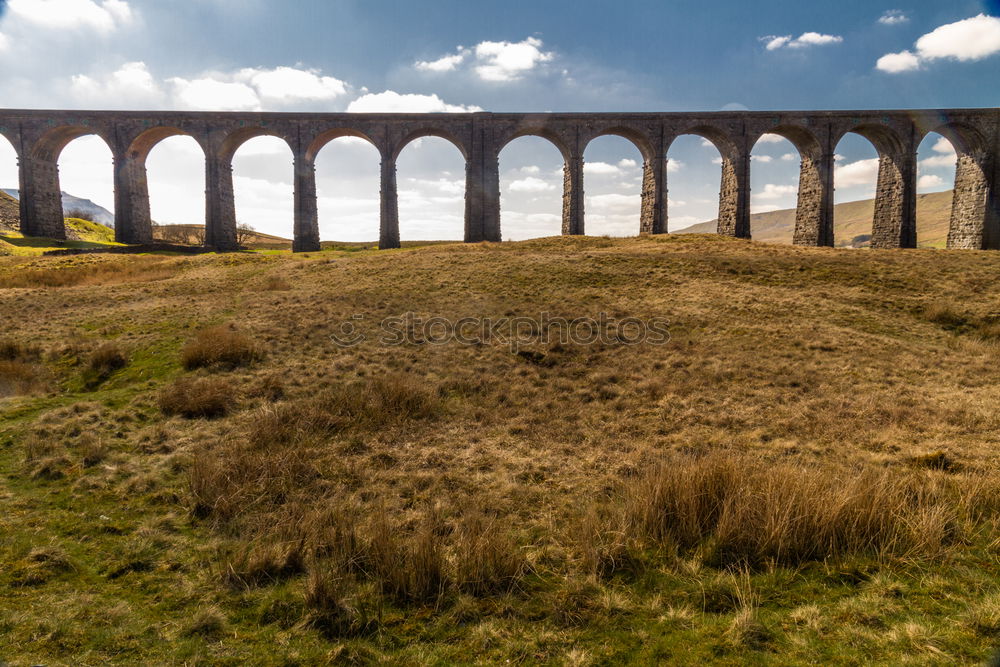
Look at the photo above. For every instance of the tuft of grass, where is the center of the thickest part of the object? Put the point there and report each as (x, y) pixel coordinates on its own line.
(945, 314)
(40, 566)
(209, 623)
(221, 346)
(204, 397)
(105, 360)
(746, 511)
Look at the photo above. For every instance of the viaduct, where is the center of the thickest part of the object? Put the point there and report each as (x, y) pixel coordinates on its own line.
(39, 136)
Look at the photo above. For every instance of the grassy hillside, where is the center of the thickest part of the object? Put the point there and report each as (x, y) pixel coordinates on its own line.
(805, 472)
(851, 220)
(195, 235)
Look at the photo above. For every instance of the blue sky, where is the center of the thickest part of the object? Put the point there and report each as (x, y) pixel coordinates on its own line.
(511, 56)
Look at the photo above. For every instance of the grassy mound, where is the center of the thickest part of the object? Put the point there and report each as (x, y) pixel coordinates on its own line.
(205, 463)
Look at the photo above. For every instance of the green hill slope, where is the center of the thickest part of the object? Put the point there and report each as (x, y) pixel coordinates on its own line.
(851, 220)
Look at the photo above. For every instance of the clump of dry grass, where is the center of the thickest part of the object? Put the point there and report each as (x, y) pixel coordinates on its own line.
(103, 361)
(945, 313)
(21, 371)
(275, 283)
(197, 397)
(221, 346)
(741, 510)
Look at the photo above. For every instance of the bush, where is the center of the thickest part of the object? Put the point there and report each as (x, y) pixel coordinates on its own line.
(197, 397)
(220, 346)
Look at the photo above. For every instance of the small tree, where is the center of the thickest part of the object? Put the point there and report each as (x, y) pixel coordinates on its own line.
(79, 214)
(198, 232)
(244, 232)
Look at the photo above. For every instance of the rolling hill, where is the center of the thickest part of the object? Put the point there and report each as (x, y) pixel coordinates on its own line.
(851, 220)
(72, 203)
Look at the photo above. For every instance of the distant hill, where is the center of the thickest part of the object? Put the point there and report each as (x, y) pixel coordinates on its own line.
(70, 203)
(852, 222)
(195, 234)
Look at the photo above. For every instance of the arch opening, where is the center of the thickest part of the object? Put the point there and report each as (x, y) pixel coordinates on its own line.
(175, 177)
(263, 187)
(612, 174)
(10, 222)
(347, 188)
(431, 186)
(855, 177)
(86, 181)
(430, 133)
(694, 168)
(531, 188)
(936, 165)
(775, 162)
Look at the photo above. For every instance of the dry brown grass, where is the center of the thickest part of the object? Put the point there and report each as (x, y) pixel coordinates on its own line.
(222, 346)
(91, 271)
(206, 397)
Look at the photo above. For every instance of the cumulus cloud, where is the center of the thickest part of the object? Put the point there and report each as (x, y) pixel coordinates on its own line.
(763, 158)
(626, 163)
(213, 94)
(945, 155)
(928, 181)
(530, 184)
(103, 17)
(600, 168)
(390, 101)
(771, 139)
(789, 157)
(893, 17)
(673, 166)
(493, 61)
(284, 84)
(773, 191)
(862, 172)
(893, 63)
(966, 40)
(131, 85)
(613, 201)
(806, 39)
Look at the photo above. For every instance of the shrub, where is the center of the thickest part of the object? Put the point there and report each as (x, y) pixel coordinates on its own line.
(197, 397)
(220, 346)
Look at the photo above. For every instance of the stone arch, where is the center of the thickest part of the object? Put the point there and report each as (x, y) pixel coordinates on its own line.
(640, 140)
(543, 133)
(326, 136)
(430, 131)
(236, 138)
(814, 198)
(623, 212)
(894, 221)
(144, 142)
(508, 195)
(734, 187)
(967, 226)
(50, 145)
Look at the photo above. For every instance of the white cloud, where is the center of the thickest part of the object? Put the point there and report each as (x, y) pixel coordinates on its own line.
(938, 161)
(862, 172)
(600, 168)
(966, 40)
(717, 160)
(530, 169)
(212, 94)
(904, 61)
(444, 63)
(789, 157)
(530, 184)
(942, 145)
(763, 158)
(103, 17)
(707, 144)
(893, 17)
(626, 163)
(390, 101)
(507, 61)
(290, 84)
(971, 39)
(493, 61)
(772, 191)
(614, 201)
(771, 139)
(673, 166)
(806, 39)
(928, 181)
(131, 85)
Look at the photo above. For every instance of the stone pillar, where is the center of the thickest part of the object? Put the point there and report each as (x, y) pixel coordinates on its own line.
(991, 224)
(572, 213)
(305, 234)
(388, 236)
(967, 228)
(40, 198)
(474, 191)
(814, 211)
(220, 207)
(895, 223)
(133, 223)
(653, 211)
(491, 195)
(734, 196)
